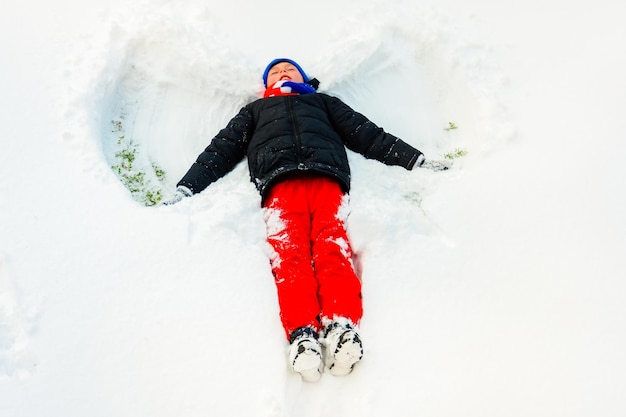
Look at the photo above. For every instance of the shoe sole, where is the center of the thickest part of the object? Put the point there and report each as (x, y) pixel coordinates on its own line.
(308, 363)
(348, 352)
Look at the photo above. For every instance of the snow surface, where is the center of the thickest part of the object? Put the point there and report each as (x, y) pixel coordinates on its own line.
(494, 289)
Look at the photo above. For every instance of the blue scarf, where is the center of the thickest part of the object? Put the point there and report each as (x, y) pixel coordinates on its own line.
(288, 88)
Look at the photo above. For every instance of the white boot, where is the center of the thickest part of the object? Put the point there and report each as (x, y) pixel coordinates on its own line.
(343, 348)
(305, 357)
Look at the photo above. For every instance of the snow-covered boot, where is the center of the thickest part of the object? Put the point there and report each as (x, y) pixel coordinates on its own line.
(343, 348)
(305, 354)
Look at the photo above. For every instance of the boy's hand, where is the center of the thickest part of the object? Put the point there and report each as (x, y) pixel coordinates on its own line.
(180, 193)
(440, 165)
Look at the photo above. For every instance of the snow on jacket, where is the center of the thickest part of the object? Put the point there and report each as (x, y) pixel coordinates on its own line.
(285, 135)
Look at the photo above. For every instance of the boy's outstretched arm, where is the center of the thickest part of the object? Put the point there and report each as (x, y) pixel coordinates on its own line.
(224, 152)
(363, 136)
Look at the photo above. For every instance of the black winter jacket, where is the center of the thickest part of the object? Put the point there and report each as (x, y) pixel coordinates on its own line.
(285, 135)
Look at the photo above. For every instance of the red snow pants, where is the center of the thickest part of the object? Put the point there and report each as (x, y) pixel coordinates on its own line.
(312, 258)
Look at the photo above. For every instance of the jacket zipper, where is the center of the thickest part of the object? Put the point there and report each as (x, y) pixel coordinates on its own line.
(296, 132)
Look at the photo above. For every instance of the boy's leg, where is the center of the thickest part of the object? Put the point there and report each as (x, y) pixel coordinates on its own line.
(288, 232)
(339, 290)
(340, 287)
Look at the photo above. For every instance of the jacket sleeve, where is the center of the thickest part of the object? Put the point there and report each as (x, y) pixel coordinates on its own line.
(363, 136)
(225, 151)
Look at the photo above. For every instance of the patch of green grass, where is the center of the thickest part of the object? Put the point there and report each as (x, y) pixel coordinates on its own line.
(134, 178)
(452, 126)
(457, 153)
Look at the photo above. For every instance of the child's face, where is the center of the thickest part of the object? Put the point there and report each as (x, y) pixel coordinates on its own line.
(283, 70)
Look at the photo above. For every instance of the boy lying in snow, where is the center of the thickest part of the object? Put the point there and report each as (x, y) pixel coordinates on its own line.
(294, 139)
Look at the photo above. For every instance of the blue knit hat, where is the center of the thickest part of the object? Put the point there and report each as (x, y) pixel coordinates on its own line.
(278, 60)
